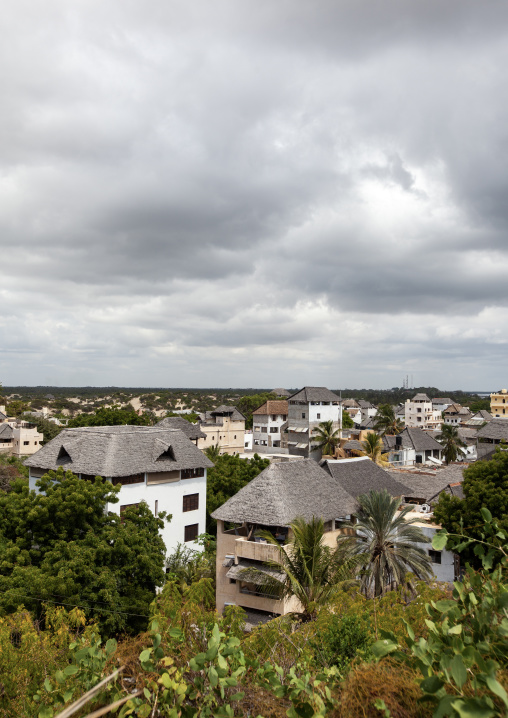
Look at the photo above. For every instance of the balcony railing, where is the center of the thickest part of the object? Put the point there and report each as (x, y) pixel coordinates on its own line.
(256, 551)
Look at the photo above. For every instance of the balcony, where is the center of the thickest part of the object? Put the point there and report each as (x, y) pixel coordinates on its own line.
(255, 550)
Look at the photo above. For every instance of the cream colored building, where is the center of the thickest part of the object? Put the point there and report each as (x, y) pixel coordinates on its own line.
(499, 404)
(270, 502)
(419, 413)
(224, 426)
(18, 437)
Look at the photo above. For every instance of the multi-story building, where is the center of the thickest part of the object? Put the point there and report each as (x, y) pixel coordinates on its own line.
(267, 422)
(418, 412)
(499, 404)
(224, 426)
(17, 436)
(157, 465)
(308, 408)
(455, 415)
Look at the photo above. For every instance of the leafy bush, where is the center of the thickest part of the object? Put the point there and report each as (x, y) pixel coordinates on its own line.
(343, 638)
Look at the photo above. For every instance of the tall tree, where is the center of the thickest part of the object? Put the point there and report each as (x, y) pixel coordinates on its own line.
(312, 571)
(451, 442)
(385, 543)
(325, 437)
(373, 448)
(386, 422)
(485, 485)
(61, 545)
(112, 416)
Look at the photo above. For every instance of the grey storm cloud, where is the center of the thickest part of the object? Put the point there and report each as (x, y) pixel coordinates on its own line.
(266, 188)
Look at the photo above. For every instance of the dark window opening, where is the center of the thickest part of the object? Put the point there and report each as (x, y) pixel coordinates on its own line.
(191, 502)
(192, 473)
(435, 556)
(124, 480)
(191, 532)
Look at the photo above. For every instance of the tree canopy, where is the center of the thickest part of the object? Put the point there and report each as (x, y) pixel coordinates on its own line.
(228, 476)
(61, 546)
(112, 416)
(485, 485)
(250, 403)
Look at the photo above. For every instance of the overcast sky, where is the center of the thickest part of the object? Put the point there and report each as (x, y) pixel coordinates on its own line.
(254, 193)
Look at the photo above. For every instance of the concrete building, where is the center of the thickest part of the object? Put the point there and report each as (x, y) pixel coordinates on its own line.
(17, 436)
(499, 404)
(267, 423)
(308, 408)
(419, 413)
(157, 465)
(440, 403)
(224, 426)
(456, 415)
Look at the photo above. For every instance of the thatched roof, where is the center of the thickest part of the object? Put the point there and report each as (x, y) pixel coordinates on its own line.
(191, 431)
(284, 491)
(361, 475)
(314, 393)
(428, 485)
(495, 430)
(413, 438)
(111, 451)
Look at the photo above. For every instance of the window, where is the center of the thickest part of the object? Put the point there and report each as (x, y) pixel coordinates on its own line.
(191, 502)
(264, 430)
(234, 436)
(274, 417)
(303, 415)
(191, 532)
(318, 416)
(192, 473)
(124, 508)
(273, 430)
(156, 510)
(26, 443)
(435, 556)
(123, 480)
(232, 580)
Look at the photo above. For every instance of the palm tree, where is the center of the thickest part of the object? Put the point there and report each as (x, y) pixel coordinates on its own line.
(451, 442)
(373, 448)
(213, 452)
(308, 568)
(386, 422)
(385, 543)
(326, 437)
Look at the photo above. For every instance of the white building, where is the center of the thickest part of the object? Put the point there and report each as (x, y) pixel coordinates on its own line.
(267, 423)
(308, 408)
(17, 436)
(157, 465)
(419, 413)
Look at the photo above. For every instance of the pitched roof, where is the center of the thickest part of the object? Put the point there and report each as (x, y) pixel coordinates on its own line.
(353, 445)
(483, 414)
(230, 411)
(111, 451)
(284, 491)
(420, 397)
(414, 438)
(350, 403)
(363, 404)
(428, 485)
(5, 431)
(314, 393)
(280, 392)
(442, 400)
(454, 409)
(273, 406)
(359, 476)
(496, 430)
(191, 431)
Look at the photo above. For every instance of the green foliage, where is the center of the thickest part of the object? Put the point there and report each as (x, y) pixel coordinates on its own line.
(188, 565)
(485, 485)
(342, 639)
(61, 546)
(385, 543)
(110, 417)
(249, 403)
(325, 437)
(347, 421)
(373, 448)
(228, 476)
(451, 442)
(478, 405)
(45, 427)
(11, 470)
(386, 422)
(467, 646)
(312, 570)
(28, 654)
(16, 407)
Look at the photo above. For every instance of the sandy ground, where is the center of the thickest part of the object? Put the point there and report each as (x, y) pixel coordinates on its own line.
(135, 403)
